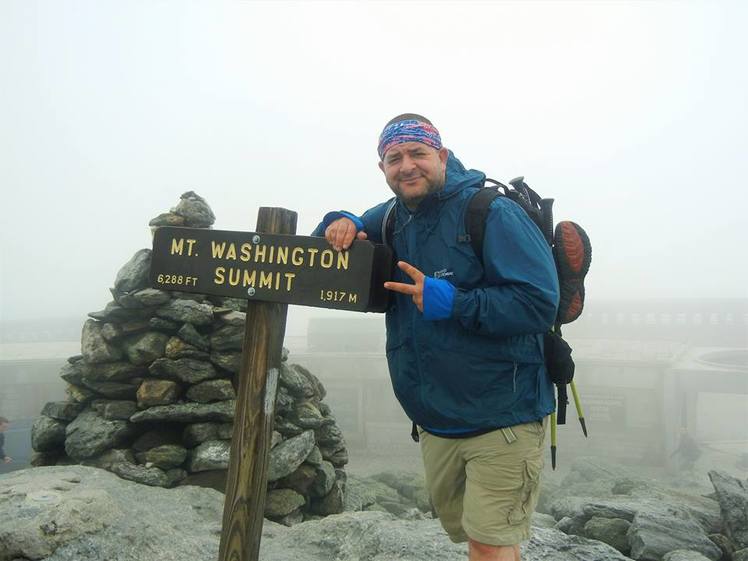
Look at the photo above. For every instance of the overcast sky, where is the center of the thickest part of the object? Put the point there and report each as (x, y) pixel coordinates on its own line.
(632, 115)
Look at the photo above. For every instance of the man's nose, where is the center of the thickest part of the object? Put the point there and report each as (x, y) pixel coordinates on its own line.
(407, 165)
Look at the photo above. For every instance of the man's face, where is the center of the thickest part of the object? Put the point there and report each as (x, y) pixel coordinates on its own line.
(3, 426)
(413, 170)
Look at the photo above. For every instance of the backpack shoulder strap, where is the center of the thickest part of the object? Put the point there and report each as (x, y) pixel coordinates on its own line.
(476, 215)
(388, 223)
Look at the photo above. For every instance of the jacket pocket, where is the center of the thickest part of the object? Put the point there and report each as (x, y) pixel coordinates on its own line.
(452, 337)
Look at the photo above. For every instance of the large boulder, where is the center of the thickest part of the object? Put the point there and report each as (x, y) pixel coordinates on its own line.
(210, 455)
(574, 512)
(212, 390)
(62, 410)
(179, 348)
(77, 513)
(94, 347)
(90, 435)
(187, 370)
(151, 297)
(148, 475)
(732, 495)
(195, 211)
(289, 455)
(654, 533)
(166, 456)
(227, 338)
(282, 502)
(155, 392)
(109, 372)
(187, 311)
(134, 274)
(188, 412)
(609, 530)
(145, 347)
(47, 434)
(189, 334)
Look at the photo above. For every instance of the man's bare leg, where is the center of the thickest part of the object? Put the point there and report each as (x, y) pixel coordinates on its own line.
(483, 552)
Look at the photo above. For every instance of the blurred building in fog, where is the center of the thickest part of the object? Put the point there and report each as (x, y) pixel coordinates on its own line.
(31, 356)
(647, 371)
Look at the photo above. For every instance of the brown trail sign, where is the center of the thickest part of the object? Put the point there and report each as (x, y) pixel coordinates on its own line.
(271, 268)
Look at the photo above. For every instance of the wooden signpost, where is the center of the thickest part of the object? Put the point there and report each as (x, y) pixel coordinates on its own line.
(271, 268)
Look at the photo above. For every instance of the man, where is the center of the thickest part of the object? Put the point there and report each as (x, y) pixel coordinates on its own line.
(3, 427)
(688, 451)
(464, 337)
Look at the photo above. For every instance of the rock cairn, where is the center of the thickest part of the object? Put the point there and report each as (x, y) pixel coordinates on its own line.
(151, 397)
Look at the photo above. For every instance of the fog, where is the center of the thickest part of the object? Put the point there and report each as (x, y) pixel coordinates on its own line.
(632, 115)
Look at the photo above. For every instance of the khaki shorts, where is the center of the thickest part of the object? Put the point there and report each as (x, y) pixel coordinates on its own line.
(486, 487)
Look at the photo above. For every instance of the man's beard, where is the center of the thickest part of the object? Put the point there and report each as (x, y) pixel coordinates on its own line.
(414, 200)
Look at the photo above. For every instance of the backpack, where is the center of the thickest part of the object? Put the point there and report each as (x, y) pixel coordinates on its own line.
(572, 254)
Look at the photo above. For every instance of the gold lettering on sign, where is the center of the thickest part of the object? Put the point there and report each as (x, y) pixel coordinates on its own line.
(312, 252)
(343, 260)
(177, 246)
(234, 281)
(289, 280)
(249, 273)
(282, 254)
(219, 278)
(325, 258)
(246, 253)
(218, 249)
(249, 278)
(266, 280)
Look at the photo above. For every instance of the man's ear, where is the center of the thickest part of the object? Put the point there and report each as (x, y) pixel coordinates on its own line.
(381, 165)
(443, 155)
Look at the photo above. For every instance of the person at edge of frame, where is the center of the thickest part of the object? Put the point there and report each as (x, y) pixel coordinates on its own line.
(464, 337)
(4, 458)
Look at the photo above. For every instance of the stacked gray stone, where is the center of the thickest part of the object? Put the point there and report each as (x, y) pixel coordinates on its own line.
(152, 395)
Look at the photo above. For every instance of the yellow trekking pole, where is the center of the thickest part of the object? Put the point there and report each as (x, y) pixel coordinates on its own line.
(578, 404)
(572, 255)
(553, 440)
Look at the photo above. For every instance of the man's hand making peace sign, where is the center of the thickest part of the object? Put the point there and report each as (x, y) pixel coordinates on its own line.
(414, 290)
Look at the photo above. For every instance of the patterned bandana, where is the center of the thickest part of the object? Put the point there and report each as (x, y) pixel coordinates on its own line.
(408, 131)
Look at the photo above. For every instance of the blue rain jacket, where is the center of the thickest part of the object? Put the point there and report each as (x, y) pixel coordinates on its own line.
(482, 367)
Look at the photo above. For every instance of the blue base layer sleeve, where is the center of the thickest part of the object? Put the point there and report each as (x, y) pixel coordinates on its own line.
(438, 297)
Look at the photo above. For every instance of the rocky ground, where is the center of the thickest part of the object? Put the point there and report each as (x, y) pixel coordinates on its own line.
(596, 513)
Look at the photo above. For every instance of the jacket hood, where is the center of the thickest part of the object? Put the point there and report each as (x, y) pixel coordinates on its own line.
(459, 178)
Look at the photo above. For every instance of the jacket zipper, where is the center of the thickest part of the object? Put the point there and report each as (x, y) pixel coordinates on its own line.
(410, 233)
